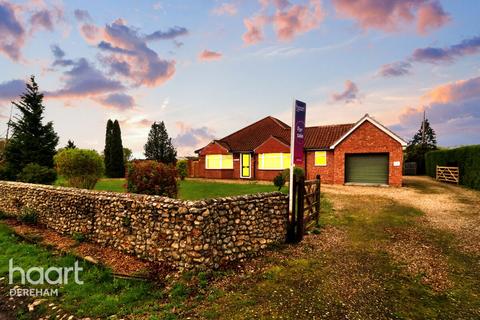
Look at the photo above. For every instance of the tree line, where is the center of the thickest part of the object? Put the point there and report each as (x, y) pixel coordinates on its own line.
(30, 153)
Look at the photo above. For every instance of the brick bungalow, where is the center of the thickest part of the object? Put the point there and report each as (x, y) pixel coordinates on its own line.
(362, 152)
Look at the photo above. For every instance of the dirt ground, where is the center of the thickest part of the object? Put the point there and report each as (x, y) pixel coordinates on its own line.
(446, 206)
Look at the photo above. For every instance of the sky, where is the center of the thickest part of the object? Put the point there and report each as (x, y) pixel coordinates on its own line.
(208, 68)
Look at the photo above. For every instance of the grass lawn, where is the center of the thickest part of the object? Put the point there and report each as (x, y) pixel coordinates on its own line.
(191, 189)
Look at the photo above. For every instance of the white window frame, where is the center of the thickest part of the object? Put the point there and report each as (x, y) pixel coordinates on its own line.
(315, 159)
(261, 161)
(221, 160)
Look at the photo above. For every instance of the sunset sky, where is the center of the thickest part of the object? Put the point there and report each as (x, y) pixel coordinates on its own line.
(207, 68)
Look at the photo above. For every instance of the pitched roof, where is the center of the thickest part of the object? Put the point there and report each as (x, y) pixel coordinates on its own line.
(252, 136)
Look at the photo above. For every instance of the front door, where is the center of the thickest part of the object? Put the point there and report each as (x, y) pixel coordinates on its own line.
(245, 171)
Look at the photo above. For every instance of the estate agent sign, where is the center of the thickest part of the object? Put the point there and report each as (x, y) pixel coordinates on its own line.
(299, 132)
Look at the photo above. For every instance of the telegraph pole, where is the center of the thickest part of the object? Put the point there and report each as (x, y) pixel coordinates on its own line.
(8, 124)
(423, 129)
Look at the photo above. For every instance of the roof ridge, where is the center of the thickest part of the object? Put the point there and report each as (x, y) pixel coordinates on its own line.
(251, 125)
(332, 125)
(280, 122)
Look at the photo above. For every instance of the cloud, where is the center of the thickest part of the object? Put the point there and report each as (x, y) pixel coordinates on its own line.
(395, 69)
(452, 109)
(170, 34)
(12, 30)
(82, 15)
(126, 53)
(46, 19)
(288, 20)
(254, 33)
(11, 90)
(225, 9)
(434, 55)
(350, 94)
(207, 55)
(119, 101)
(189, 138)
(13, 27)
(136, 123)
(83, 80)
(59, 55)
(297, 19)
(389, 15)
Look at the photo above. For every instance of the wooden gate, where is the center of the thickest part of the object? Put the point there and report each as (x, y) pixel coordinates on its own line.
(306, 208)
(448, 174)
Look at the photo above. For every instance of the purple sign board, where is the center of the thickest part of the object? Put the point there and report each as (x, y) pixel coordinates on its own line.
(299, 131)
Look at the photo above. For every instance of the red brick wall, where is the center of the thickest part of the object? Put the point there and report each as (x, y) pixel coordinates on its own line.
(326, 172)
(214, 148)
(369, 139)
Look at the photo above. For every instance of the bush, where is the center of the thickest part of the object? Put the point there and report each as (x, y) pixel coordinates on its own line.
(35, 173)
(280, 180)
(466, 158)
(152, 177)
(28, 216)
(81, 168)
(6, 172)
(182, 169)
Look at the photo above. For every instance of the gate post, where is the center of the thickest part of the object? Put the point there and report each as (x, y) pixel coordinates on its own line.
(291, 216)
(300, 208)
(318, 198)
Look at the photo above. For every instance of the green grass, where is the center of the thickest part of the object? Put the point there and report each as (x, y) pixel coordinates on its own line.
(101, 295)
(191, 189)
(194, 190)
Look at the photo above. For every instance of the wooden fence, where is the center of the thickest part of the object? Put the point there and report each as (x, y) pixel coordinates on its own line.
(306, 208)
(448, 174)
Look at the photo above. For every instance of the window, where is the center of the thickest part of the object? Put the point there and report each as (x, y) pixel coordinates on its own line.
(219, 161)
(273, 161)
(321, 158)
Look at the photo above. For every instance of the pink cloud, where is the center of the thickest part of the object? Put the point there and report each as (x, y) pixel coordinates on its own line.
(350, 94)
(225, 9)
(254, 25)
(431, 16)
(297, 19)
(120, 101)
(288, 20)
(12, 30)
(455, 91)
(207, 55)
(388, 15)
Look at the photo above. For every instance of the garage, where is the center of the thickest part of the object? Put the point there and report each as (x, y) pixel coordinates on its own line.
(369, 168)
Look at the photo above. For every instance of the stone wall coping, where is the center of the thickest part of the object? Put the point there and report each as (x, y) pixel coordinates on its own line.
(151, 198)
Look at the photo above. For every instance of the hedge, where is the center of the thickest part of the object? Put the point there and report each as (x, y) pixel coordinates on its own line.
(466, 158)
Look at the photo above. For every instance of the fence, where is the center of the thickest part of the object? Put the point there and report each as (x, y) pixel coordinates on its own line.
(306, 208)
(448, 174)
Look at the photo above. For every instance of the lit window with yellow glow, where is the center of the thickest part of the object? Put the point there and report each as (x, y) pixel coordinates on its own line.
(321, 158)
(273, 161)
(219, 161)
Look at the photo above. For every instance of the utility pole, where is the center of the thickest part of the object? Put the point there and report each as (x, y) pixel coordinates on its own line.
(8, 124)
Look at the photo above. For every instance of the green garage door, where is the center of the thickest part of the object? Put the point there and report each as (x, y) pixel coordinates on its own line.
(366, 168)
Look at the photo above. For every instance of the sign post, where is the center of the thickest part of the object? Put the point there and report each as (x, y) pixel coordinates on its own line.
(297, 141)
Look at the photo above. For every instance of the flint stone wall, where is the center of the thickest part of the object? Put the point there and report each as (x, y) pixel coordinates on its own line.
(182, 234)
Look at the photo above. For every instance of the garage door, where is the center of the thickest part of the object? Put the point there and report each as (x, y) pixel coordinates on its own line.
(366, 168)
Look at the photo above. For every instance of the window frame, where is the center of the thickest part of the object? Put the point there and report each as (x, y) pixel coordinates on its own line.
(315, 158)
(261, 161)
(221, 161)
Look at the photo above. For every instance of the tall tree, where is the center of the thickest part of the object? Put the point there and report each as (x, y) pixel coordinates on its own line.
(159, 146)
(127, 155)
(117, 164)
(107, 158)
(31, 141)
(423, 141)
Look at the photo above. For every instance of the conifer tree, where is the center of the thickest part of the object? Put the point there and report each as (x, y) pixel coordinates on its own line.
(31, 141)
(117, 164)
(108, 147)
(423, 141)
(70, 145)
(159, 145)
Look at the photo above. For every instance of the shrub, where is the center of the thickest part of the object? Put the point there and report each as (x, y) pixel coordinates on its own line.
(35, 173)
(280, 180)
(466, 158)
(81, 168)
(182, 169)
(28, 216)
(152, 177)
